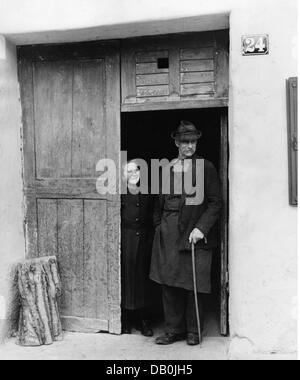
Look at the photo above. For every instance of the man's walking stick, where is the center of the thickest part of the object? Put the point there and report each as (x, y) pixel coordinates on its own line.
(196, 293)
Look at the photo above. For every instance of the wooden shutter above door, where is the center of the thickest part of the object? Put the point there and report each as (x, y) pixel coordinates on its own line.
(71, 119)
(184, 67)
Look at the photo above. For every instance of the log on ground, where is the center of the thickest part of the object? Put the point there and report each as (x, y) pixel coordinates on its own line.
(40, 288)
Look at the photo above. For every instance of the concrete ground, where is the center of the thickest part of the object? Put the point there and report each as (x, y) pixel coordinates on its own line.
(135, 347)
(77, 346)
(109, 347)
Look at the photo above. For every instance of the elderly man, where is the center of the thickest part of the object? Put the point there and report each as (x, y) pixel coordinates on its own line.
(178, 225)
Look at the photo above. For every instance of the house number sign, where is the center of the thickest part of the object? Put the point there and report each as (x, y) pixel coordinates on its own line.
(255, 44)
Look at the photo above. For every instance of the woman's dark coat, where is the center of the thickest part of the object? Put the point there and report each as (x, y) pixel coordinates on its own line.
(136, 245)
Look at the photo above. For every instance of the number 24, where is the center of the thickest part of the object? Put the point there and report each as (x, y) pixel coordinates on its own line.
(251, 45)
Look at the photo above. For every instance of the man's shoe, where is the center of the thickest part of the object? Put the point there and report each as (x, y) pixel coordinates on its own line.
(169, 338)
(146, 329)
(193, 339)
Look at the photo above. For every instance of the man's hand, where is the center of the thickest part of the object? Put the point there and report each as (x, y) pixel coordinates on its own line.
(195, 236)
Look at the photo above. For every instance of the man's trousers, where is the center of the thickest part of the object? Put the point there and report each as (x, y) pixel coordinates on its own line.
(180, 310)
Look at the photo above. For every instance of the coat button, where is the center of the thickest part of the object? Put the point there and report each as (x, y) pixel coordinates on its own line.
(137, 205)
(137, 219)
(137, 234)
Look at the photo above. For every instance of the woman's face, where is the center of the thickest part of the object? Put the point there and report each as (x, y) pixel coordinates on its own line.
(131, 173)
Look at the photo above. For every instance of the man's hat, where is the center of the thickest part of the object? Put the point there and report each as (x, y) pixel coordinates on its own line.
(186, 131)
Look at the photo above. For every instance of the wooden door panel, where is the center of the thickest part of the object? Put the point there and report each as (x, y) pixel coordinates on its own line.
(70, 230)
(70, 255)
(47, 227)
(53, 83)
(95, 250)
(88, 134)
(114, 271)
(69, 100)
(71, 119)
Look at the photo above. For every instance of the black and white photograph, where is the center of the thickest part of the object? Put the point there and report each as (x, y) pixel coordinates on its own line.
(148, 189)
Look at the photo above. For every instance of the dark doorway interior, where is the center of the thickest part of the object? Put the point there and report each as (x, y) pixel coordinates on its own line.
(147, 135)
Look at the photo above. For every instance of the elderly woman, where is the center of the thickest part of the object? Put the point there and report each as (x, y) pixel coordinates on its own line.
(137, 236)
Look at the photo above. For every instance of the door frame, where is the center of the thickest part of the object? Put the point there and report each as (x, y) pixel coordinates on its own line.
(224, 166)
(224, 222)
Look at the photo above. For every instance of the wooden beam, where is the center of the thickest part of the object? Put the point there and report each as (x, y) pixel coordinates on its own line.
(64, 188)
(173, 105)
(84, 325)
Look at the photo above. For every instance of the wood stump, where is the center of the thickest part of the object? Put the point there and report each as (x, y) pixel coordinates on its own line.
(40, 288)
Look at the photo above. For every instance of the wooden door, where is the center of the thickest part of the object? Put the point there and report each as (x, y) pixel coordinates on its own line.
(71, 119)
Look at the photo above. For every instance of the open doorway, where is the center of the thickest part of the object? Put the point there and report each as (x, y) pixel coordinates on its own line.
(147, 135)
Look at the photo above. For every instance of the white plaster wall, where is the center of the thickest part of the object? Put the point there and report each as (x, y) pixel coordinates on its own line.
(12, 243)
(262, 224)
(43, 15)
